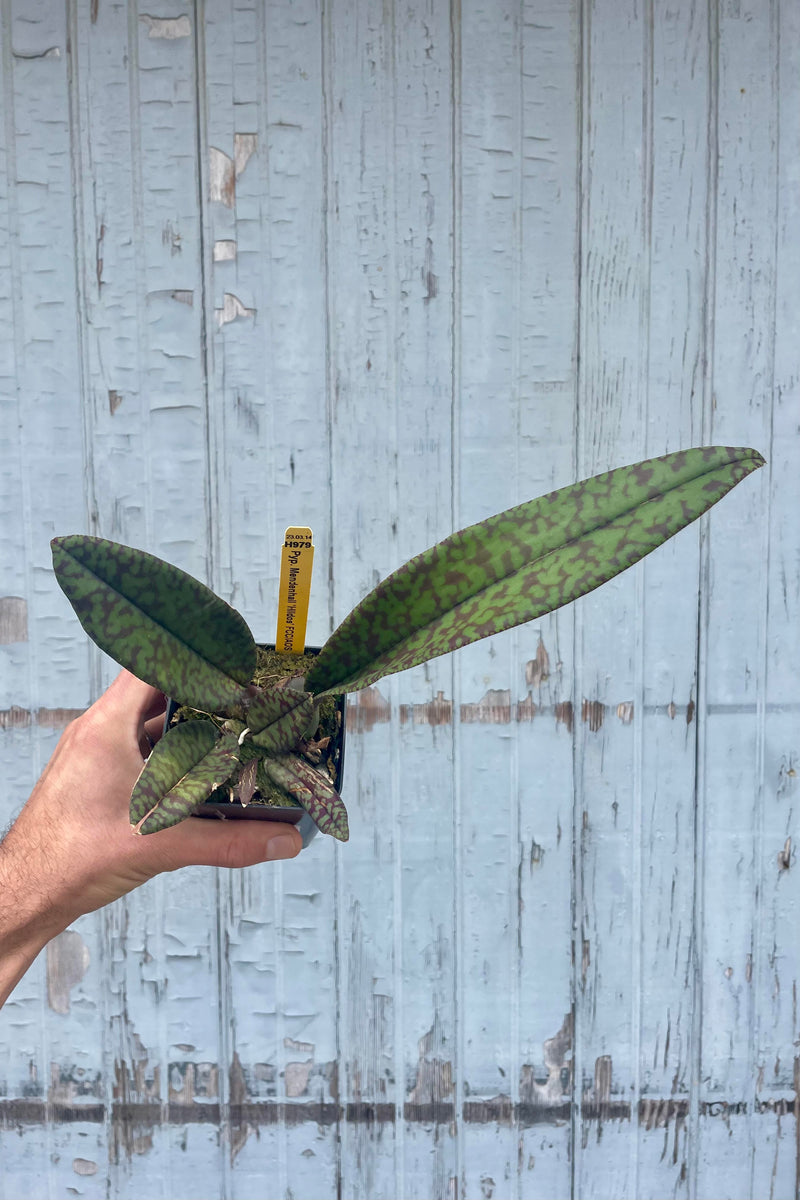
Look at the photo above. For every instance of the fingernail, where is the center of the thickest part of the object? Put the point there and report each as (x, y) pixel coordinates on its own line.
(283, 846)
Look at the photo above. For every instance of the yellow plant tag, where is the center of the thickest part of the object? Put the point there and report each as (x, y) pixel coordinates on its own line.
(297, 559)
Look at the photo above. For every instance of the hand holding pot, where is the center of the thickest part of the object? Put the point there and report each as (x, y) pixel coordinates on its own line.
(72, 850)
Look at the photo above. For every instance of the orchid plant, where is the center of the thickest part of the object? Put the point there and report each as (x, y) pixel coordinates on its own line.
(173, 632)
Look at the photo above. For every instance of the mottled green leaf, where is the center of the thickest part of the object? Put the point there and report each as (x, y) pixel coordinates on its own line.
(163, 625)
(312, 790)
(279, 718)
(182, 771)
(524, 562)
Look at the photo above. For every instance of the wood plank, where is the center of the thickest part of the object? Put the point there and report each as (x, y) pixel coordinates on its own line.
(141, 286)
(487, 765)
(362, 292)
(609, 649)
(733, 756)
(664, 995)
(548, 248)
(262, 112)
(56, 1054)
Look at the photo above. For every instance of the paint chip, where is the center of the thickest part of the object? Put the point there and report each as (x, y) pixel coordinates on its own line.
(114, 400)
(13, 620)
(224, 251)
(368, 708)
(493, 709)
(67, 963)
(84, 1166)
(538, 669)
(564, 714)
(232, 308)
(785, 856)
(244, 147)
(221, 179)
(167, 27)
(48, 718)
(438, 711)
(183, 296)
(593, 713)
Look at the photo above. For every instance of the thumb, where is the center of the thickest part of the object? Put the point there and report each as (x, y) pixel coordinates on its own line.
(132, 700)
(239, 843)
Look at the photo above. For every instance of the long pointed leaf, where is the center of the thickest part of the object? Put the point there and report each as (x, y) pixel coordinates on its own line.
(184, 768)
(524, 562)
(162, 624)
(312, 790)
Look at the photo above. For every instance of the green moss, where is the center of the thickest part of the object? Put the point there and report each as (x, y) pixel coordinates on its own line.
(272, 665)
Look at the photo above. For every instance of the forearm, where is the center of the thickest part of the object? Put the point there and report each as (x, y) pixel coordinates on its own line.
(28, 918)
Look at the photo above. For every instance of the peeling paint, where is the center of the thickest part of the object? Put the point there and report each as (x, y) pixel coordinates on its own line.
(537, 670)
(366, 709)
(47, 718)
(84, 1166)
(189, 1081)
(98, 255)
(554, 1090)
(221, 178)
(114, 400)
(240, 1128)
(430, 280)
(433, 1082)
(183, 296)
(494, 708)
(565, 714)
(593, 713)
(13, 620)
(785, 856)
(224, 250)
(438, 711)
(72, 1085)
(69, 1095)
(170, 28)
(244, 147)
(296, 1073)
(67, 963)
(232, 309)
(170, 236)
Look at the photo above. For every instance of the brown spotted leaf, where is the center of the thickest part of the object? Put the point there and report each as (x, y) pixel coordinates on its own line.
(182, 771)
(524, 562)
(163, 625)
(312, 790)
(279, 717)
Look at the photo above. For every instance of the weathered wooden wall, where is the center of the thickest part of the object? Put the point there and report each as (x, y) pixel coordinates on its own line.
(386, 268)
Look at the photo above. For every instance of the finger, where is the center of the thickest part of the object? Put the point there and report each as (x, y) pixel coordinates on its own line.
(238, 843)
(154, 729)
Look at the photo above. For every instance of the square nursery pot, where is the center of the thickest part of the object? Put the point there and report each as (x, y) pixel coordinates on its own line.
(233, 811)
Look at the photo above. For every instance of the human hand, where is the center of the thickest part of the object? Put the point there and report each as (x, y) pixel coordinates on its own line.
(72, 850)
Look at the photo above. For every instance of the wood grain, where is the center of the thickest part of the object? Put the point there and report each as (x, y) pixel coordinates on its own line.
(385, 269)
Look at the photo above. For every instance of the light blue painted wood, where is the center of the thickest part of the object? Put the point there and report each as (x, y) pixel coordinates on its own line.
(387, 269)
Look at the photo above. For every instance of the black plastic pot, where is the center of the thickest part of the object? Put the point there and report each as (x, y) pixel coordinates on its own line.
(226, 811)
